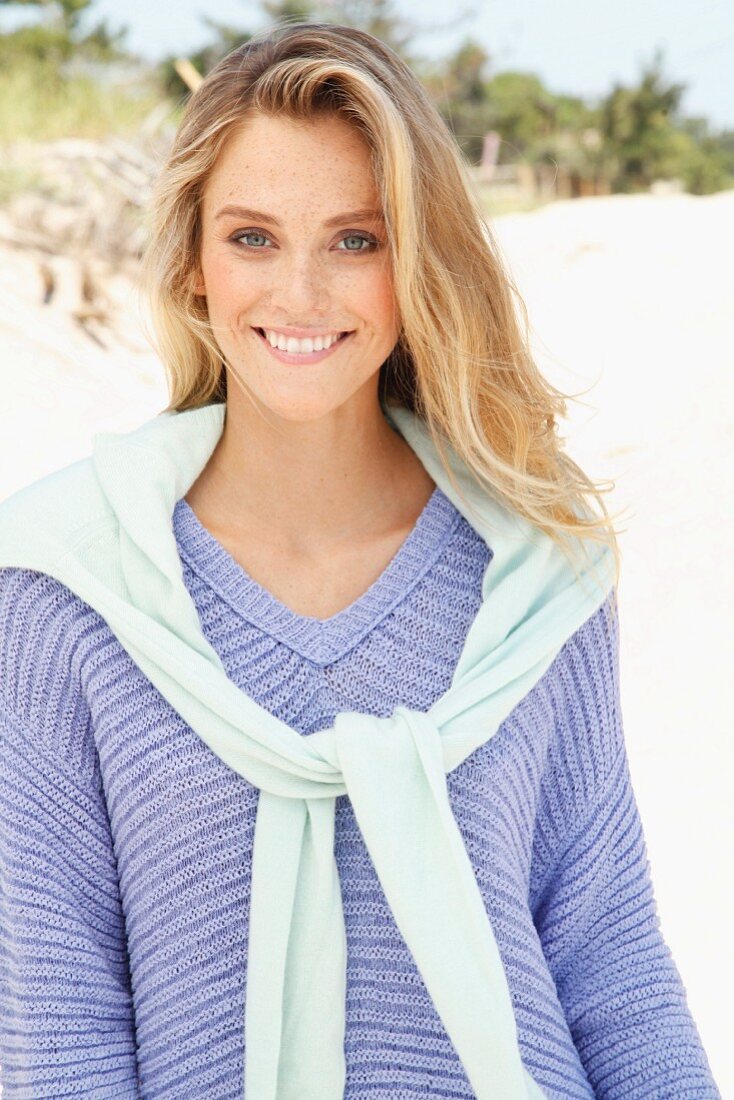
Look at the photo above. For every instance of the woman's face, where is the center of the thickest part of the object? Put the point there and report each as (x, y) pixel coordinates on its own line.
(304, 255)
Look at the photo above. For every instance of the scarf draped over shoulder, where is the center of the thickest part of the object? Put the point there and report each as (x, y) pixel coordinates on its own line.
(103, 527)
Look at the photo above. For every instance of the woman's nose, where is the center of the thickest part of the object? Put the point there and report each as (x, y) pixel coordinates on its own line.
(302, 281)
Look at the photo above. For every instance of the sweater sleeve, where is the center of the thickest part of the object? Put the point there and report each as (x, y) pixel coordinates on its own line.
(598, 923)
(66, 1018)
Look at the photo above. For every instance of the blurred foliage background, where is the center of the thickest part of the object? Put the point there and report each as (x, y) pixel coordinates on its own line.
(63, 75)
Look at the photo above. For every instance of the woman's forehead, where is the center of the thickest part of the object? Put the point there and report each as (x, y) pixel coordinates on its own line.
(277, 165)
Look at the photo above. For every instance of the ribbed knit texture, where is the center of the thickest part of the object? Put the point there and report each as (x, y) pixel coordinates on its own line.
(125, 846)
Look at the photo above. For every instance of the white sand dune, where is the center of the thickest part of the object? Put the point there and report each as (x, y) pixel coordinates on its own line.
(631, 299)
(633, 295)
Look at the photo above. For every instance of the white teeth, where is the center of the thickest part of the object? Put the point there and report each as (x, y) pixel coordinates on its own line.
(294, 346)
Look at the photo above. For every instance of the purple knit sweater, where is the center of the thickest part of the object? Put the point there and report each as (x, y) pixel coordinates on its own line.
(126, 844)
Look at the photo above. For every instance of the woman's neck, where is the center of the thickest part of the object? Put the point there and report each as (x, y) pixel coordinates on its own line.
(310, 485)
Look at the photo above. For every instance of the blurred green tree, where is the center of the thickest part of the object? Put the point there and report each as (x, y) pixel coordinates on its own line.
(59, 33)
(459, 89)
(638, 130)
(705, 159)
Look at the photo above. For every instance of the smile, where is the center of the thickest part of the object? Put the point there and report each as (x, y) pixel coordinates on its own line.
(295, 357)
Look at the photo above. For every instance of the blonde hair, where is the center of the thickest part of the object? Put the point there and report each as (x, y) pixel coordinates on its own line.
(462, 361)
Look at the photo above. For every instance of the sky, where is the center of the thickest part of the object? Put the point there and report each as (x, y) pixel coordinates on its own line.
(579, 47)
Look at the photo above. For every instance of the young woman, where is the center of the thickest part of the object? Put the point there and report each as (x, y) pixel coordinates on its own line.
(237, 657)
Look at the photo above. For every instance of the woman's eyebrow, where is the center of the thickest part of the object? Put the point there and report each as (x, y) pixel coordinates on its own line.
(259, 215)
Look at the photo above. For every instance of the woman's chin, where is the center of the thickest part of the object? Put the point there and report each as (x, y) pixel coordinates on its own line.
(302, 408)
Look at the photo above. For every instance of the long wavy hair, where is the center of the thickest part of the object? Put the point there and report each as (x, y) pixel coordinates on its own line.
(462, 360)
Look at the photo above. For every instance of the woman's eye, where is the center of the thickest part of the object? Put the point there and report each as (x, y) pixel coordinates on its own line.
(363, 239)
(366, 242)
(249, 233)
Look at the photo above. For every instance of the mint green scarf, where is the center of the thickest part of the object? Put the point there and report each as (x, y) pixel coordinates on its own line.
(103, 527)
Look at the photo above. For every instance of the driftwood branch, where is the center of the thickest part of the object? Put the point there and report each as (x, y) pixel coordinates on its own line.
(83, 213)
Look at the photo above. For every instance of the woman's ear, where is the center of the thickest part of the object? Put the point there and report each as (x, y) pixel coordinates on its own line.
(199, 289)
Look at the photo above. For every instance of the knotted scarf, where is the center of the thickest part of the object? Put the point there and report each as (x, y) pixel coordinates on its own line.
(103, 527)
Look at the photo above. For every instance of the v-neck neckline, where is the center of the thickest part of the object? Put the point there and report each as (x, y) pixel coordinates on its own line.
(319, 640)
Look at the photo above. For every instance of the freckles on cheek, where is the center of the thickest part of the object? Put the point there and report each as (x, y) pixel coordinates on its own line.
(227, 286)
(221, 272)
(387, 308)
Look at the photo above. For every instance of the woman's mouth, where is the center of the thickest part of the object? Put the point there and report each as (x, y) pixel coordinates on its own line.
(295, 357)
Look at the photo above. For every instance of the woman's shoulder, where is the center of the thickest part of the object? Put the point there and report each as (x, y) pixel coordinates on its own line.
(586, 700)
(46, 632)
(30, 599)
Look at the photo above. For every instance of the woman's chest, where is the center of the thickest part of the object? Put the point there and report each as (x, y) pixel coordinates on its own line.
(183, 822)
(184, 825)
